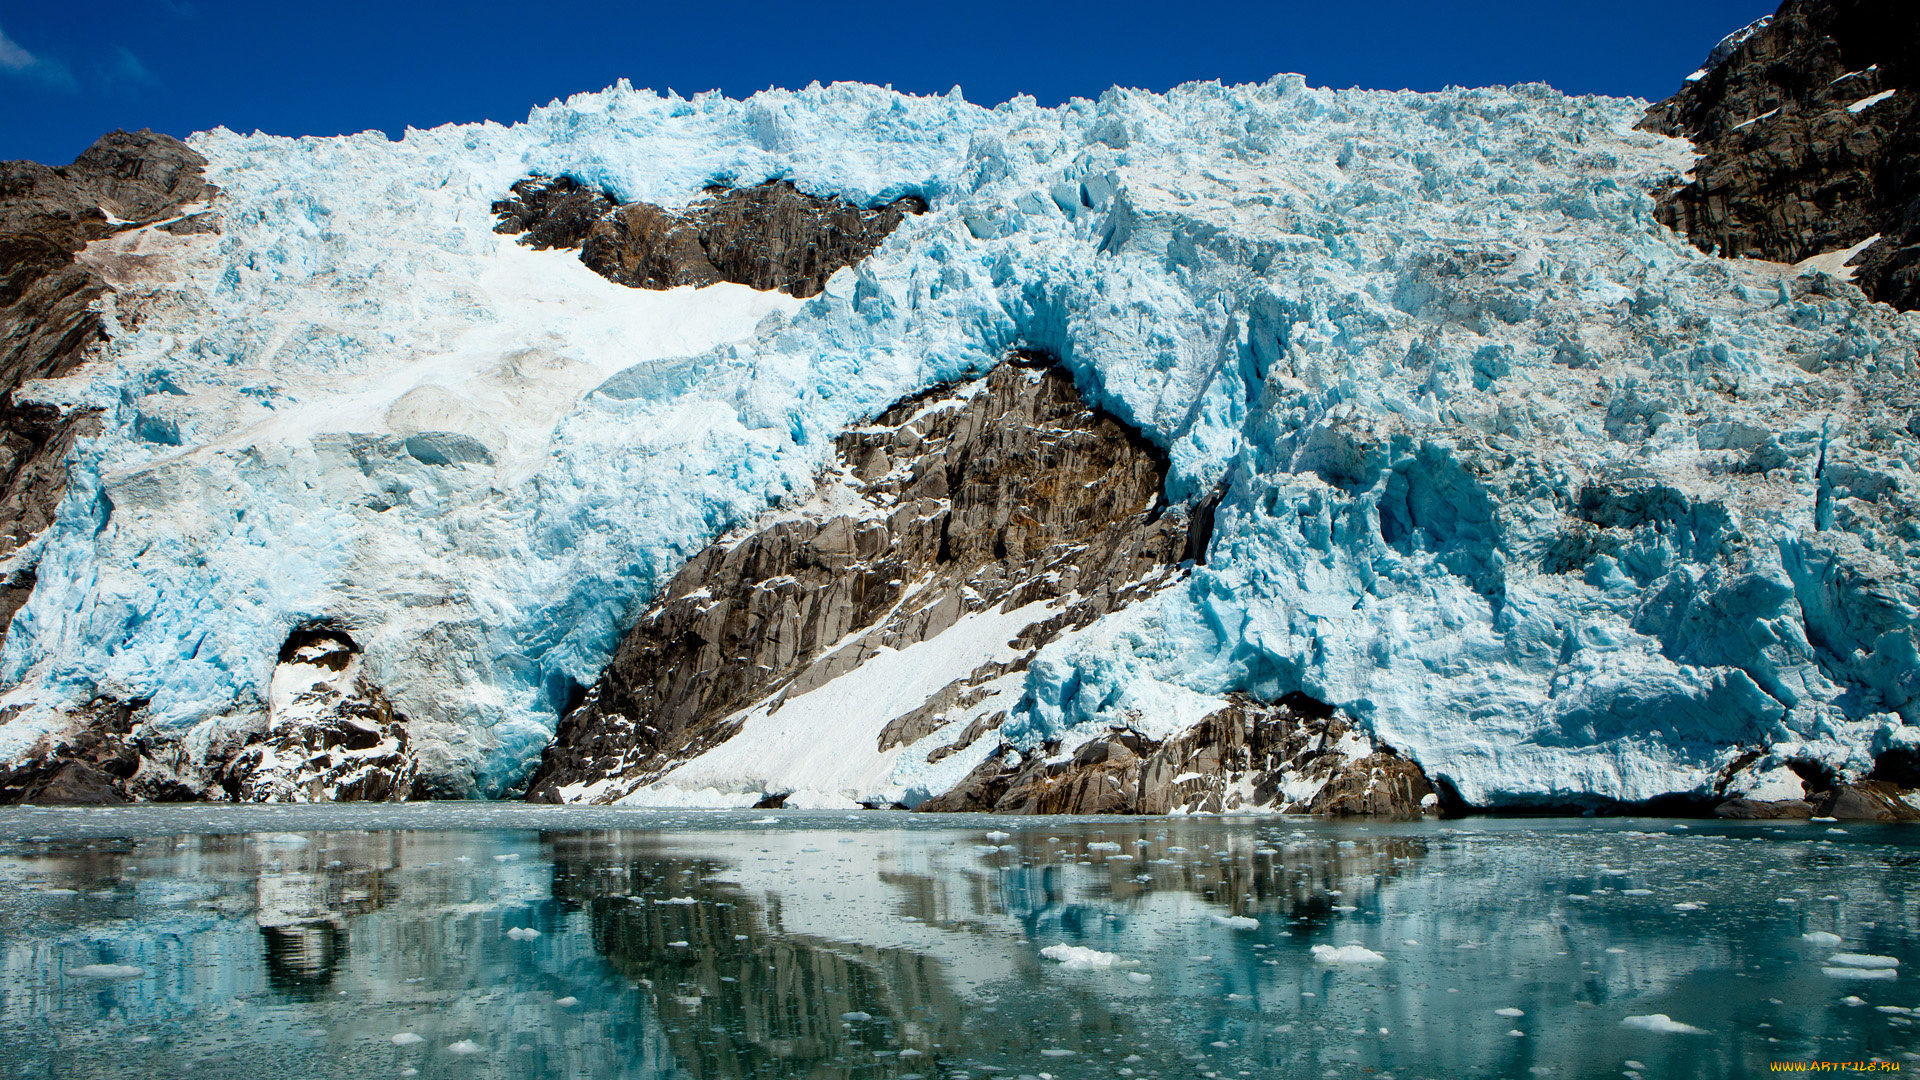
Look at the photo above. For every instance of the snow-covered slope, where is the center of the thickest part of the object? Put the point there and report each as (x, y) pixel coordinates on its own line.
(1546, 499)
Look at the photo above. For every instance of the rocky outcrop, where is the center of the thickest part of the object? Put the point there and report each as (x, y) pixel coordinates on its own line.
(1808, 127)
(126, 180)
(1001, 494)
(101, 758)
(34, 443)
(1863, 800)
(1297, 757)
(768, 236)
(1001, 497)
(331, 735)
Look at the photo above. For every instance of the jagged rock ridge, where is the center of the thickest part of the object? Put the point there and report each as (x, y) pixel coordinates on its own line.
(768, 236)
(1808, 126)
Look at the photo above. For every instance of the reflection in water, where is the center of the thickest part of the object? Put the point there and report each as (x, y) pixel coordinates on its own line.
(454, 942)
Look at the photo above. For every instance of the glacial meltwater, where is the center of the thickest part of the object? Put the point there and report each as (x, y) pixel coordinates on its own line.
(477, 941)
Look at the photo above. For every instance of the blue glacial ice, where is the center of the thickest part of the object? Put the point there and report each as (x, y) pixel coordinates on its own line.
(1550, 501)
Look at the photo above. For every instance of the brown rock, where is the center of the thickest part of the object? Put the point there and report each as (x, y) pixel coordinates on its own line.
(1244, 757)
(75, 784)
(769, 236)
(1763, 810)
(1867, 801)
(337, 740)
(1787, 169)
(98, 760)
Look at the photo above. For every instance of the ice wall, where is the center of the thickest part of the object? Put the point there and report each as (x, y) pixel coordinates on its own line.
(1522, 480)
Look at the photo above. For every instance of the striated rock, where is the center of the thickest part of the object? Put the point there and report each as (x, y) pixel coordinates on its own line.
(1297, 757)
(769, 236)
(1808, 126)
(989, 497)
(331, 735)
(34, 443)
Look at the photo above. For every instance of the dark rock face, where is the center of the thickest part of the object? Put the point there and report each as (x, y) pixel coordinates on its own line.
(1247, 755)
(1793, 162)
(34, 442)
(1763, 810)
(48, 214)
(769, 236)
(102, 760)
(555, 212)
(1017, 493)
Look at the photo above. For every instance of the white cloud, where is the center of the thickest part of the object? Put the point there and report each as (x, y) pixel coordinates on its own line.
(12, 56)
(16, 60)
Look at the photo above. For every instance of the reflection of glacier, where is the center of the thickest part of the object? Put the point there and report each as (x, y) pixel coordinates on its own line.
(730, 947)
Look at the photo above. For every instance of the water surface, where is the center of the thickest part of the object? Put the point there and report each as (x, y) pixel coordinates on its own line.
(477, 941)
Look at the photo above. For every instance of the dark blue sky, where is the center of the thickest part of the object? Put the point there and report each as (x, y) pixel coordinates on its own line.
(71, 71)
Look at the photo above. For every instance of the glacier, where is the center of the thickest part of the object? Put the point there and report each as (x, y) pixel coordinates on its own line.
(1546, 499)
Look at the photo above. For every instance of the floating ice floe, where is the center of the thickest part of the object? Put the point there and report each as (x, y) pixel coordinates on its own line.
(464, 1048)
(1080, 958)
(1820, 937)
(407, 1038)
(1236, 922)
(523, 933)
(1509, 1013)
(1346, 954)
(567, 1002)
(107, 971)
(1662, 1023)
(1862, 960)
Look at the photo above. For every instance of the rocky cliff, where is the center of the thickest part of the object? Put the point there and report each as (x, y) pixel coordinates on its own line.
(1808, 127)
(956, 535)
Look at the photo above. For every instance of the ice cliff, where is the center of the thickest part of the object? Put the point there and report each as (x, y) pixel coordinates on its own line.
(1540, 496)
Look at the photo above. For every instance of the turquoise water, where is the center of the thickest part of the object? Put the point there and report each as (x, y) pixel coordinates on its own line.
(477, 941)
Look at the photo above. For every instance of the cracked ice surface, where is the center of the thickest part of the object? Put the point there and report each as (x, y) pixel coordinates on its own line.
(1551, 502)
